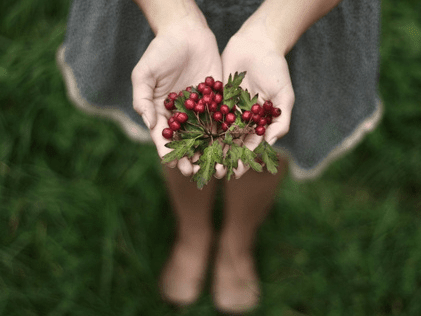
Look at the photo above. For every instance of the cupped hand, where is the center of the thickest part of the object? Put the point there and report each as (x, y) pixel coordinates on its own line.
(253, 51)
(184, 54)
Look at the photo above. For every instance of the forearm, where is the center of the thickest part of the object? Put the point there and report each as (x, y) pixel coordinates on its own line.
(161, 13)
(287, 20)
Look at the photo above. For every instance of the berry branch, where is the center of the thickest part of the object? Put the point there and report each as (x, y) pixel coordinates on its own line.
(235, 115)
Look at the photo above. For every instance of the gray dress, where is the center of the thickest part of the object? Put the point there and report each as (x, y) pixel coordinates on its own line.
(334, 69)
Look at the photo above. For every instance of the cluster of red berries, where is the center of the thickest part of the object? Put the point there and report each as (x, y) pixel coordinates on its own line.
(261, 115)
(209, 97)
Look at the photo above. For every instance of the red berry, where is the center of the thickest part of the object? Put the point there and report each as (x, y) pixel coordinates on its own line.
(169, 104)
(276, 112)
(262, 121)
(175, 126)
(206, 90)
(218, 98)
(260, 130)
(262, 112)
(207, 99)
(189, 89)
(200, 87)
(199, 108)
(267, 106)
(255, 118)
(255, 109)
(230, 118)
(269, 120)
(189, 104)
(172, 96)
(217, 116)
(209, 81)
(170, 120)
(246, 116)
(224, 109)
(167, 133)
(181, 117)
(218, 86)
(213, 107)
(194, 96)
(181, 94)
(224, 126)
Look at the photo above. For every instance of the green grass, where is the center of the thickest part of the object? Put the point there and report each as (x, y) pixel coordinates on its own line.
(86, 224)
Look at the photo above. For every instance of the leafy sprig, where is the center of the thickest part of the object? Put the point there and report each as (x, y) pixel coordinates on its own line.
(198, 137)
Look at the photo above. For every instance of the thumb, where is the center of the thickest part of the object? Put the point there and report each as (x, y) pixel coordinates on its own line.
(143, 90)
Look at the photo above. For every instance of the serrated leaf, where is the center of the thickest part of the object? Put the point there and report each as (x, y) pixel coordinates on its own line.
(254, 100)
(186, 94)
(179, 104)
(230, 80)
(181, 148)
(201, 145)
(238, 78)
(231, 159)
(268, 155)
(232, 89)
(248, 157)
(211, 155)
(230, 103)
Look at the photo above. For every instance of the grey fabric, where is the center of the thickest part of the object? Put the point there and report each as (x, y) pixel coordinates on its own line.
(334, 66)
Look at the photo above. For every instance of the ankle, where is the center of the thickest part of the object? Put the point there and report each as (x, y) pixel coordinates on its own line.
(236, 245)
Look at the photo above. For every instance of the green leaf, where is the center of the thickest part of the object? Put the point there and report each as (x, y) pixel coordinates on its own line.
(232, 89)
(238, 78)
(211, 155)
(186, 94)
(201, 145)
(248, 157)
(179, 104)
(268, 155)
(239, 122)
(181, 148)
(231, 159)
(254, 100)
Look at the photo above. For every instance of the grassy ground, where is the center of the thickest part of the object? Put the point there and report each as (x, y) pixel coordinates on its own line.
(86, 223)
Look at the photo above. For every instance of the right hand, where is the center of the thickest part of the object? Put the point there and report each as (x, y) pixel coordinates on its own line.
(183, 54)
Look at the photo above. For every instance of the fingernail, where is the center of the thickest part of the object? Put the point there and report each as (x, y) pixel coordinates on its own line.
(146, 121)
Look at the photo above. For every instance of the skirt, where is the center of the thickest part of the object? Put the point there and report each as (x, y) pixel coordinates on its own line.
(334, 69)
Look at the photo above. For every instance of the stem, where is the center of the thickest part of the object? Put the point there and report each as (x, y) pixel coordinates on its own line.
(210, 118)
(200, 122)
(194, 124)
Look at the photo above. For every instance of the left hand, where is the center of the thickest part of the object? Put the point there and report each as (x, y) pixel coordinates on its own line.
(253, 50)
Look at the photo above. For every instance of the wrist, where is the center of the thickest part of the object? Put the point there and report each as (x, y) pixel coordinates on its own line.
(161, 14)
(284, 21)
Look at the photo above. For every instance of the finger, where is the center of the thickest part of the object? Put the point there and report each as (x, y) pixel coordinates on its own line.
(143, 90)
(280, 125)
(185, 166)
(195, 158)
(241, 168)
(220, 169)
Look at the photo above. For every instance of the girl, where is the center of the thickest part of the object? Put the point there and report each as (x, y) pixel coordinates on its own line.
(121, 59)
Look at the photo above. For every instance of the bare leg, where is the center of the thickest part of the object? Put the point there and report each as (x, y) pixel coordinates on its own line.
(182, 277)
(248, 200)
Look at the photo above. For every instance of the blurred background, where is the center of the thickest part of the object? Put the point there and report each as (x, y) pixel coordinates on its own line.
(86, 225)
